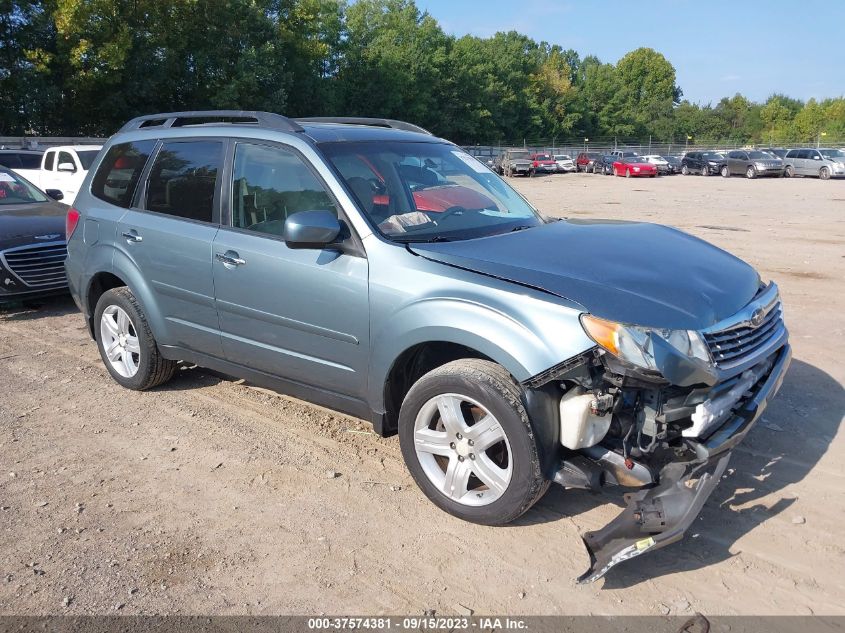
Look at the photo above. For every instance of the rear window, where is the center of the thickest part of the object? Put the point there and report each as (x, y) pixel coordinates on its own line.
(183, 179)
(86, 157)
(118, 175)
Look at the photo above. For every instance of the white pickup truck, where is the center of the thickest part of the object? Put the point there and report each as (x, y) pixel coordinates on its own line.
(64, 168)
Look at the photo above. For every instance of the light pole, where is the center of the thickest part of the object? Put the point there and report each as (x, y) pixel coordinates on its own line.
(586, 140)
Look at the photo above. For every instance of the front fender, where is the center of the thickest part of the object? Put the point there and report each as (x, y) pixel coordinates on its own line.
(525, 341)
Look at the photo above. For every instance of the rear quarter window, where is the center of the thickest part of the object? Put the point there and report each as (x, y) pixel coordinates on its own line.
(118, 174)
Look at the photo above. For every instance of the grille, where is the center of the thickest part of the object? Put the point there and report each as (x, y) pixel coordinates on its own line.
(733, 345)
(38, 266)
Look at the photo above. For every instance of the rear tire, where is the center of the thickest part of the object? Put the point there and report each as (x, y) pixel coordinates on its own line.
(441, 451)
(126, 343)
(705, 171)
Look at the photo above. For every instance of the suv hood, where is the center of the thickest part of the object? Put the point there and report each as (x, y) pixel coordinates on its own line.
(631, 272)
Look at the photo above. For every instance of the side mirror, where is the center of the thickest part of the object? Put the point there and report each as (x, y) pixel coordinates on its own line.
(311, 229)
(70, 167)
(55, 194)
(816, 157)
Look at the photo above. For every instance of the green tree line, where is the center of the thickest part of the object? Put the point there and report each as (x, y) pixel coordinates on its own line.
(84, 67)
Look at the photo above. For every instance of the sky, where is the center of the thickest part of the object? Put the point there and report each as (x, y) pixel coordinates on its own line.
(718, 47)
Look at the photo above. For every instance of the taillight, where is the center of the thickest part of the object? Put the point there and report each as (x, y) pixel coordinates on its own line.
(71, 221)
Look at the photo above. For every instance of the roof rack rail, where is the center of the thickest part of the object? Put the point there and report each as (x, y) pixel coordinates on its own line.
(205, 117)
(351, 120)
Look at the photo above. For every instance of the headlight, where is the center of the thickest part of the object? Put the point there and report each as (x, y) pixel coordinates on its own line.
(636, 169)
(633, 343)
(760, 166)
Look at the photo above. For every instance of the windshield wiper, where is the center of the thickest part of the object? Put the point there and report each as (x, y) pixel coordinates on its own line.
(521, 228)
(424, 240)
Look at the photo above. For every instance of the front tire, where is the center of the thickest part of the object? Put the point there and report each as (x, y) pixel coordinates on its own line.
(824, 173)
(685, 170)
(750, 173)
(789, 172)
(468, 443)
(126, 343)
(725, 172)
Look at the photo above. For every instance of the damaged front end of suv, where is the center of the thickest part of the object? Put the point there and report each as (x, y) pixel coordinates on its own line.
(657, 412)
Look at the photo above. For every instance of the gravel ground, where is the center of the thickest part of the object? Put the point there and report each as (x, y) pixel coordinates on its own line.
(211, 496)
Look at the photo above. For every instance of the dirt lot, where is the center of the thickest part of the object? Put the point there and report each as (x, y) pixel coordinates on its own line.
(209, 496)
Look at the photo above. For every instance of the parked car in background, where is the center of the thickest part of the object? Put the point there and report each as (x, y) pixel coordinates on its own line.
(516, 162)
(604, 164)
(620, 153)
(822, 163)
(32, 240)
(564, 163)
(674, 163)
(585, 160)
(632, 167)
(506, 351)
(775, 151)
(663, 167)
(543, 164)
(25, 162)
(704, 163)
(752, 163)
(65, 167)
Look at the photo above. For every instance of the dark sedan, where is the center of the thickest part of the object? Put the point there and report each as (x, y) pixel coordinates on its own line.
(32, 240)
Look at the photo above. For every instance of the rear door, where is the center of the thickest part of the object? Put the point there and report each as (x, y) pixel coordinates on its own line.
(46, 179)
(301, 314)
(169, 236)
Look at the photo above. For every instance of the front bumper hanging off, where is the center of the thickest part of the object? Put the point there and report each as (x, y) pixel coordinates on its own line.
(658, 516)
(654, 517)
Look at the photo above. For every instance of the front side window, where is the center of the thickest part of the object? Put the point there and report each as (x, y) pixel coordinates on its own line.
(17, 190)
(428, 191)
(269, 184)
(183, 179)
(833, 154)
(118, 174)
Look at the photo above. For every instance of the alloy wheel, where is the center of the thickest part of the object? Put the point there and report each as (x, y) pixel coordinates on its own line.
(463, 449)
(824, 173)
(120, 341)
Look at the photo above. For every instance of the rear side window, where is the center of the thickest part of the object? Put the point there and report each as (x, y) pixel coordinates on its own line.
(48, 161)
(30, 161)
(183, 179)
(118, 175)
(12, 161)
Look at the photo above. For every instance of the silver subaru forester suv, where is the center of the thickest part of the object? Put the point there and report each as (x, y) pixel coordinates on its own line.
(365, 265)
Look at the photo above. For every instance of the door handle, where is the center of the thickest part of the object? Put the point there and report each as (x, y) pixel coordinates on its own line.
(132, 236)
(230, 258)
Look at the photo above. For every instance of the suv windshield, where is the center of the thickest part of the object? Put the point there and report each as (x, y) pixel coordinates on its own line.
(519, 155)
(428, 191)
(16, 190)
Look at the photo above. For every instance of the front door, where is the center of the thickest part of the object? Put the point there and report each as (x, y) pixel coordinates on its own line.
(300, 314)
(170, 239)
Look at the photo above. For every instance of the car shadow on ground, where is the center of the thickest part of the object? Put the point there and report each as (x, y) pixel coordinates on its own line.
(788, 441)
(30, 309)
